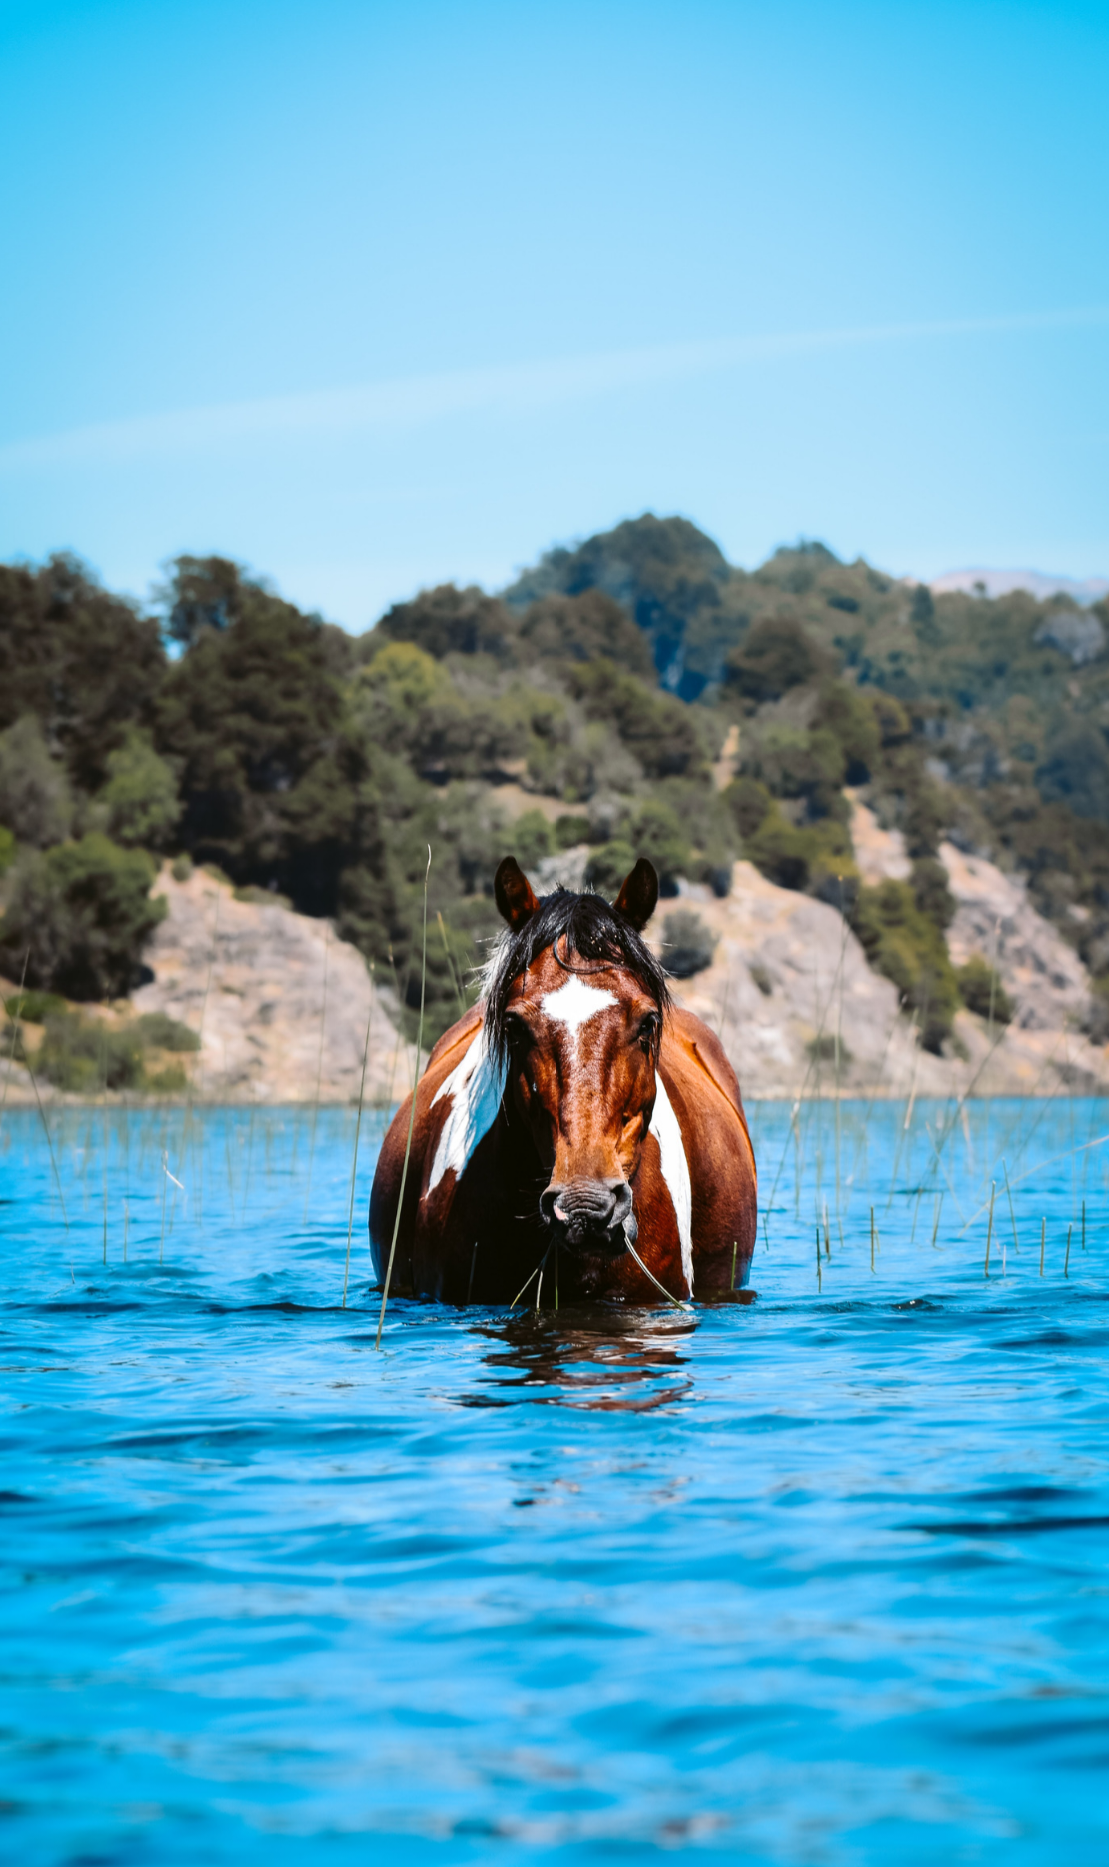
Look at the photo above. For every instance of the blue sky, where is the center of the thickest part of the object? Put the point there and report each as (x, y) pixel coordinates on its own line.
(369, 296)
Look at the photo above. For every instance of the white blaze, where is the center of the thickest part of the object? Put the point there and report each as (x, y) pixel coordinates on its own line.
(675, 1171)
(475, 1087)
(575, 1003)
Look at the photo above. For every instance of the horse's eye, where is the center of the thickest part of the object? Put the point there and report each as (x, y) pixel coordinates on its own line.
(517, 1032)
(645, 1035)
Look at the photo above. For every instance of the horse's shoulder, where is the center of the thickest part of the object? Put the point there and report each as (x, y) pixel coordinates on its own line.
(696, 1058)
(452, 1046)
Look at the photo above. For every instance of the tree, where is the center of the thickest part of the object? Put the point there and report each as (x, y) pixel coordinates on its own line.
(449, 621)
(85, 663)
(80, 915)
(140, 797)
(254, 716)
(35, 800)
(199, 594)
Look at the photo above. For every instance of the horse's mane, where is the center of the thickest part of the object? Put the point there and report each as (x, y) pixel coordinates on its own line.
(581, 928)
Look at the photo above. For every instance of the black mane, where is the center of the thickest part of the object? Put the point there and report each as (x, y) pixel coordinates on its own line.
(587, 929)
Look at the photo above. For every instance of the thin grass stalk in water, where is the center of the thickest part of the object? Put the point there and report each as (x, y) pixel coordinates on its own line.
(650, 1274)
(411, 1116)
(195, 1082)
(15, 1027)
(319, 1072)
(1012, 1214)
(989, 1228)
(1066, 1260)
(818, 1281)
(814, 1052)
(49, 1142)
(456, 982)
(936, 1225)
(357, 1133)
(537, 1272)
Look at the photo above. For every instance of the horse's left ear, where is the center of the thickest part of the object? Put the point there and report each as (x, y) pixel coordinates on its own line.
(639, 895)
(515, 896)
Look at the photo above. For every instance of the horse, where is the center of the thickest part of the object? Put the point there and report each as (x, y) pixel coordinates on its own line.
(574, 1129)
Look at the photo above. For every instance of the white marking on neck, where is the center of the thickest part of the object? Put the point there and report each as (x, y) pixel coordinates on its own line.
(575, 1003)
(675, 1171)
(474, 1087)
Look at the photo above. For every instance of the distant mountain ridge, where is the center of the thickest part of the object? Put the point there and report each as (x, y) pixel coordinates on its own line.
(1081, 590)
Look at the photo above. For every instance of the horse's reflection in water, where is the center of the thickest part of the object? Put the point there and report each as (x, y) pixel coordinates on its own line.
(591, 1358)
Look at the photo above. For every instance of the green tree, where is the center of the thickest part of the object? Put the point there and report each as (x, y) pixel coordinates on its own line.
(254, 717)
(35, 800)
(85, 663)
(80, 915)
(140, 797)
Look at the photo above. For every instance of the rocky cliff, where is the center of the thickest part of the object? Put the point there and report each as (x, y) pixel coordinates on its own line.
(282, 1006)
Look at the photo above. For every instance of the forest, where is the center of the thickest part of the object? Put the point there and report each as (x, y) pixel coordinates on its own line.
(222, 725)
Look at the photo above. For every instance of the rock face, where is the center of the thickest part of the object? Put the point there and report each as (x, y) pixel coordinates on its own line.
(280, 1003)
(789, 978)
(1043, 976)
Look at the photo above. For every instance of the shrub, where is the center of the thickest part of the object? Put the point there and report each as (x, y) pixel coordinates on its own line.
(570, 831)
(983, 992)
(931, 891)
(532, 839)
(158, 1031)
(80, 915)
(909, 949)
(813, 857)
(607, 867)
(84, 1055)
(687, 944)
(35, 1007)
(749, 802)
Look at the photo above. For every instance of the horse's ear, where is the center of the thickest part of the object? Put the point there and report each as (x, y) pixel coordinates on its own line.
(639, 895)
(515, 896)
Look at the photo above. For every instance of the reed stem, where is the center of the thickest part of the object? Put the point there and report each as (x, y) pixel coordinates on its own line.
(319, 1072)
(357, 1133)
(411, 1116)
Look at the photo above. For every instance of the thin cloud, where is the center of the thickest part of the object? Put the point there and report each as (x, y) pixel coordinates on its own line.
(513, 388)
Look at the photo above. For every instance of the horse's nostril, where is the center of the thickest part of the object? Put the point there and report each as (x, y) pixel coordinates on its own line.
(587, 1205)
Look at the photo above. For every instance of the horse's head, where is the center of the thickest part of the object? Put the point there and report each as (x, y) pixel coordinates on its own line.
(574, 1009)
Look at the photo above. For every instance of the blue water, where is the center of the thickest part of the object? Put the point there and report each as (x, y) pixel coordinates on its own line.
(817, 1578)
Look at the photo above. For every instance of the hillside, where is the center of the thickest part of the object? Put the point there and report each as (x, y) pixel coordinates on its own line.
(634, 694)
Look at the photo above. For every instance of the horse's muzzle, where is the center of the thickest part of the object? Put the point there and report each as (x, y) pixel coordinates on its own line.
(588, 1215)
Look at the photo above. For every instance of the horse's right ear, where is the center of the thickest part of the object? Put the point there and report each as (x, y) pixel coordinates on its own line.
(638, 897)
(515, 896)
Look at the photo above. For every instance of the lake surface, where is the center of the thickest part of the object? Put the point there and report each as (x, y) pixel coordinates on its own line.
(817, 1578)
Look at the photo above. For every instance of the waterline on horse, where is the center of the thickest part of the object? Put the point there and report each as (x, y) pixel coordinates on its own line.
(574, 1110)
